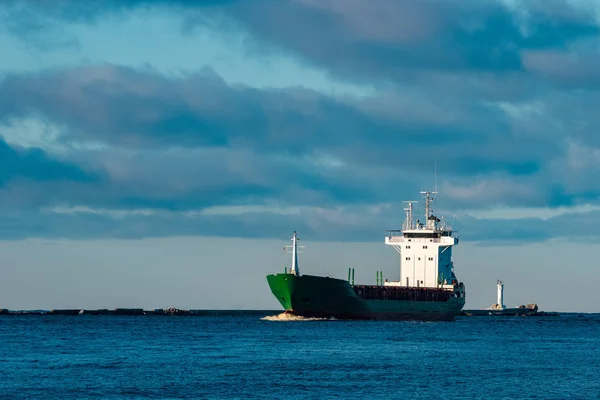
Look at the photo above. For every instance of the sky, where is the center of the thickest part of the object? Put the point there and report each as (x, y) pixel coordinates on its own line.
(157, 153)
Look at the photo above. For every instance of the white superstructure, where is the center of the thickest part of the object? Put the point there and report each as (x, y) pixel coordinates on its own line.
(425, 249)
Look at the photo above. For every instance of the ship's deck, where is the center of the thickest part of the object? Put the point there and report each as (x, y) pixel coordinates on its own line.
(402, 293)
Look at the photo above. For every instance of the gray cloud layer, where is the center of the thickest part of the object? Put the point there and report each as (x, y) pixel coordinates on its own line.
(493, 95)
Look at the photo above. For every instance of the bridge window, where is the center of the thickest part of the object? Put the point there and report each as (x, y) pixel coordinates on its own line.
(424, 235)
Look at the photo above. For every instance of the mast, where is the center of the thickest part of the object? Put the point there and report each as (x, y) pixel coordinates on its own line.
(408, 224)
(435, 176)
(429, 196)
(294, 249)
(430, 222)
(295, 269)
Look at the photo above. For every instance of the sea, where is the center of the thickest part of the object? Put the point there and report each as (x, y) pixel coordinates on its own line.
(255, 356)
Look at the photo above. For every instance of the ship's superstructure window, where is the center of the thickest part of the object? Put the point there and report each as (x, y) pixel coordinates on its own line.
(424, 247)
(423, 235)
(407, 258)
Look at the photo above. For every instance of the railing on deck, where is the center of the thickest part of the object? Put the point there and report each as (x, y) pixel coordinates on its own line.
(395, 233)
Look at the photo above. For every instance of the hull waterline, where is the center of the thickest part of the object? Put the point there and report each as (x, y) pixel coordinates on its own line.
(324, 297)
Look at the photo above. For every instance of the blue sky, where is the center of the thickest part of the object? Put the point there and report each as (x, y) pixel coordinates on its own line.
(166, 119)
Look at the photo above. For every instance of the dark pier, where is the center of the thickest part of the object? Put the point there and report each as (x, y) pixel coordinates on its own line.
(531, 310)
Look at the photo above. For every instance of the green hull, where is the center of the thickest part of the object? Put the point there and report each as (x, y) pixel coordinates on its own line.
(324, 297)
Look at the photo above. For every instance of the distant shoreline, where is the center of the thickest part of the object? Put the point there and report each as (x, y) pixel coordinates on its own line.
(203, 312)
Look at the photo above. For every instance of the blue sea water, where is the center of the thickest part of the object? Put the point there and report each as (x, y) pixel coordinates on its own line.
(241, 357)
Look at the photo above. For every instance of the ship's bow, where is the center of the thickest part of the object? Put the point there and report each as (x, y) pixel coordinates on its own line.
(315, 296)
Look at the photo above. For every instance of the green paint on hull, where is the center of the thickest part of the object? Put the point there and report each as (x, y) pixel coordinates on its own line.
(317, 296)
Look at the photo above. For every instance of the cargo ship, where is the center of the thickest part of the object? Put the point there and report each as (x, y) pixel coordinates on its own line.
(427, 290)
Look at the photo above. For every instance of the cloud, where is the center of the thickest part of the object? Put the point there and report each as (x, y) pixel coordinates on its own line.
(159, 137)
(351, 224)
(295, 145)
(84, 223)
(35, 165)
(398, 40)
(498, 94)
(34, 28)
(140, 109)
(575, 68)
(390, 40)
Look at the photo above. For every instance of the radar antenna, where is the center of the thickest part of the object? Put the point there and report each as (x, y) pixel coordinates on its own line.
(429, 196)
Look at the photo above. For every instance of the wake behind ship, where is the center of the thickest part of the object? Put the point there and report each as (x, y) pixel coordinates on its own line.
(427, 289)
